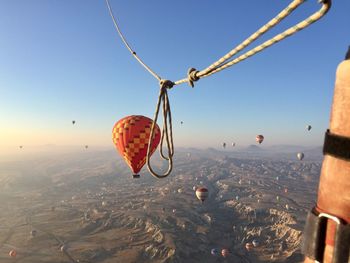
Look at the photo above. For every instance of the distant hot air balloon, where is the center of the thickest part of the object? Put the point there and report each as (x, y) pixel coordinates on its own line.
(225, 252)
(259, 138)
(86, 146)
(214, 252)
(73, 122)
(33, 233)
(181, 122)
(300, 156)
(233, 144)
(131, 136)
(202, 193)
(255, 243)
(308, 127)
(63, 248)
(224, 145)
(13, 253)
(21, 146)
(249, 246)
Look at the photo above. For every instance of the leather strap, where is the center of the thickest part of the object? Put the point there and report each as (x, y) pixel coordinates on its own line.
(337, 146)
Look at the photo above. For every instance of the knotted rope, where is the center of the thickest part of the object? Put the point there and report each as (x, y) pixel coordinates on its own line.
(224, 62)
(167, 130)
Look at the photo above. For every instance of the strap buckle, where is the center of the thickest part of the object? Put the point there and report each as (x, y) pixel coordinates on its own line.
(314, 242)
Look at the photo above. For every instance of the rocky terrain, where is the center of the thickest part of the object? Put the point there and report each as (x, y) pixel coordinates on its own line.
(86, 207)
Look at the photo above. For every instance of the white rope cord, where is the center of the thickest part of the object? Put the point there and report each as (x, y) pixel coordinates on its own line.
(127, 44)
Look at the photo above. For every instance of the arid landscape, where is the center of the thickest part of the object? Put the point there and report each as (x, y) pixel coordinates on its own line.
(86, 207)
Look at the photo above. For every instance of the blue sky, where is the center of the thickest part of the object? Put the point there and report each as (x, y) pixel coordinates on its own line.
(62, 60)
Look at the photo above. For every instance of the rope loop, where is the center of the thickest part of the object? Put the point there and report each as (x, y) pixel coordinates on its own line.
(192, 76)
(167, 130)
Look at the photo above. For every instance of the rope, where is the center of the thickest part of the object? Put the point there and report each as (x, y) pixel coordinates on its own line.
(167, 132)
(224, 62)
(127, 44)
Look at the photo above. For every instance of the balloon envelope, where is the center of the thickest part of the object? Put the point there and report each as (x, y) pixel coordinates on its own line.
(259, 138)
(13, 253)
(225, 252)
(214, 252)
(308, 127)
(131, 136)
(300, 156)
(248, 246)
(202, 193)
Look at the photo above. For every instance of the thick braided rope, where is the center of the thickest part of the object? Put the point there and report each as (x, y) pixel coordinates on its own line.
(167, 132)
(220, 65)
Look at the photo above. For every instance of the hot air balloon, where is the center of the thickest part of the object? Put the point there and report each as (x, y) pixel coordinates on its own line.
(214, 252)
(255, 243)
(33, 233)
(300, 156)
(21, 146)
(225, 252)
(131, 136)
(259, 138)
(202, 193)
(13, 253)
(249, 246)
(224, 145)
(308, 127)
(86, 146)
(63, 248)
(181, 122)
(73, 122)
(233, 144)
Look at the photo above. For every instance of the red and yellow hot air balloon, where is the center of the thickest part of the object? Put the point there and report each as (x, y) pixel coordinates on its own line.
(259, 138)
(202, 193)
(131, 136)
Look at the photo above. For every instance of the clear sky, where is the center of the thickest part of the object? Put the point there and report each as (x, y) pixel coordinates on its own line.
(61, 60)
